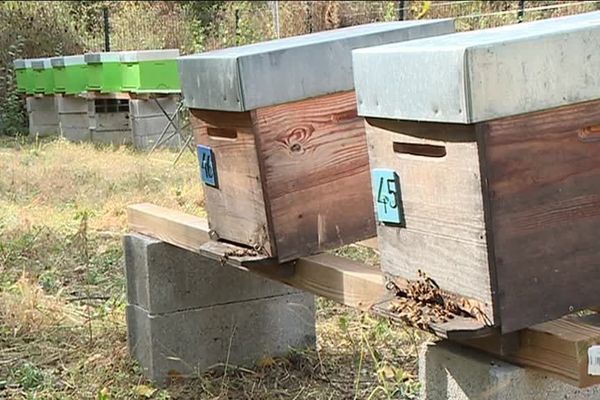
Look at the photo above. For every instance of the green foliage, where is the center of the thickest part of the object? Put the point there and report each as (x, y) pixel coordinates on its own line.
(12, 115)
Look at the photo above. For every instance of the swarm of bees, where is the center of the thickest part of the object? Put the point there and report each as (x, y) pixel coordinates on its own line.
(238, 252)
(422, 303)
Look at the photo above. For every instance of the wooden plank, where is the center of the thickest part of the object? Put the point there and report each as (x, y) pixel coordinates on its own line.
(543, 174)
(345, 281)
(337, 278)
(443, 233)
(236, 209)
(558, 347)
(315, 164)
(182, 230)
(95, 95)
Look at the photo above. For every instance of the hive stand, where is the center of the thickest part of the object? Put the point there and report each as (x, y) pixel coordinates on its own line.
(283, 153)
(487, 142)
(187, 313)
(557, 348)
(43, 116)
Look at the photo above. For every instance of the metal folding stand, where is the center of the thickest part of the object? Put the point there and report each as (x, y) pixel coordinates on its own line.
(180, 131)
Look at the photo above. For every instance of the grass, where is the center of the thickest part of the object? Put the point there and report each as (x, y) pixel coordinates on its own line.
(62, 290)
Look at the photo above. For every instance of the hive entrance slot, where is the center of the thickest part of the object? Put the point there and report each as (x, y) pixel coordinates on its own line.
(425, 150)
(222, 133)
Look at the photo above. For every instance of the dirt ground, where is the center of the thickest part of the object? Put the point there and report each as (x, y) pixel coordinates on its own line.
(62, 292)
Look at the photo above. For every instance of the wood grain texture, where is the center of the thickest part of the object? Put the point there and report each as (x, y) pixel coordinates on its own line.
(236, 209)
(544, 201)
(342, 280)
(557, 347)
(345, 281)
(315, 166)
(182, 230)
(443, 233)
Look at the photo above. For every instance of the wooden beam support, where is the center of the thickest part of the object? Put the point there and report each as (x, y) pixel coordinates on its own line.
(557, 347)
(345, 281)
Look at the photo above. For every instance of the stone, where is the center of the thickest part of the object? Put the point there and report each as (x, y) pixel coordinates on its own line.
(448, 371)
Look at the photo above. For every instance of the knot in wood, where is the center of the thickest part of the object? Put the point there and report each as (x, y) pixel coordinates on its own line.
(298, 137)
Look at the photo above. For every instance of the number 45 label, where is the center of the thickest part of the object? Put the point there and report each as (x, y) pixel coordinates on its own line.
(386, 192)
(208, 166)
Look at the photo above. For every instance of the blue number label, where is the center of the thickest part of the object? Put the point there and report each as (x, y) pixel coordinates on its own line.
(386, 193)
(208, 166)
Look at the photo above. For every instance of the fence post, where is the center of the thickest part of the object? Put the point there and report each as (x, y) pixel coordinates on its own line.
(106, 29)
(309, 16)
(400, 10)
(521, 12)
(237, 25)
(276, 17)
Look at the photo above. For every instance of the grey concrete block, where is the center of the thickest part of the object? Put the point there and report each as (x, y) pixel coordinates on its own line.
(45, 103)
(164, 278)
(152, 126)
(71, 105)
(111, 121)
(149, 108)
(451, 372)
(75, 134)
(189, 342)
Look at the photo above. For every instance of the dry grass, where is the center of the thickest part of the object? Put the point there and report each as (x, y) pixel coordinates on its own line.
(62, 327)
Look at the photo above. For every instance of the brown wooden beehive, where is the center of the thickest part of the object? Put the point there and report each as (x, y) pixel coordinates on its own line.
(490, 141)
(280, 136)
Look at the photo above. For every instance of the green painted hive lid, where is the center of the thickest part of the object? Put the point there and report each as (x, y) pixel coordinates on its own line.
(41, 63)
(149, 55)
(65, 61)
(98, 58)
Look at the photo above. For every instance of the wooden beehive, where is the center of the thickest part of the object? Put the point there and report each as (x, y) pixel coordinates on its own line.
(488, 144)
(282, 150)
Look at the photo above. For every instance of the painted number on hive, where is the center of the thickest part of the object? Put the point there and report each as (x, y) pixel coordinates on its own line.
(208, 165)
(386, 193)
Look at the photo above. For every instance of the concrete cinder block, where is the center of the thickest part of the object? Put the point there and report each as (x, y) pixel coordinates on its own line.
(163, 278)
(44, 103)
(71, 105)
(449, 371)
(149, 108)
(73, 118)
(110, 127)
(43, 117)
(188, 342)
(148, 121)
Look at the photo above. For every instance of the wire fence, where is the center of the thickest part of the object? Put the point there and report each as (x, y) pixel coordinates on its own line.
(33, 29)
(139, 25)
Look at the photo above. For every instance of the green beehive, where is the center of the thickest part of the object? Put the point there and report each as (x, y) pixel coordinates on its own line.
(150, 70)
(24, 75)
(70, 74)
(104, 72)
(43, 76)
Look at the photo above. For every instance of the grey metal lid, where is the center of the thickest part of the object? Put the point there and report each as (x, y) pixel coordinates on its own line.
(482, 75)
(21, 63)
(41, 63)
(57, 62)
(67, 60)
(280, 71)
(149, 55)
(97, 58)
